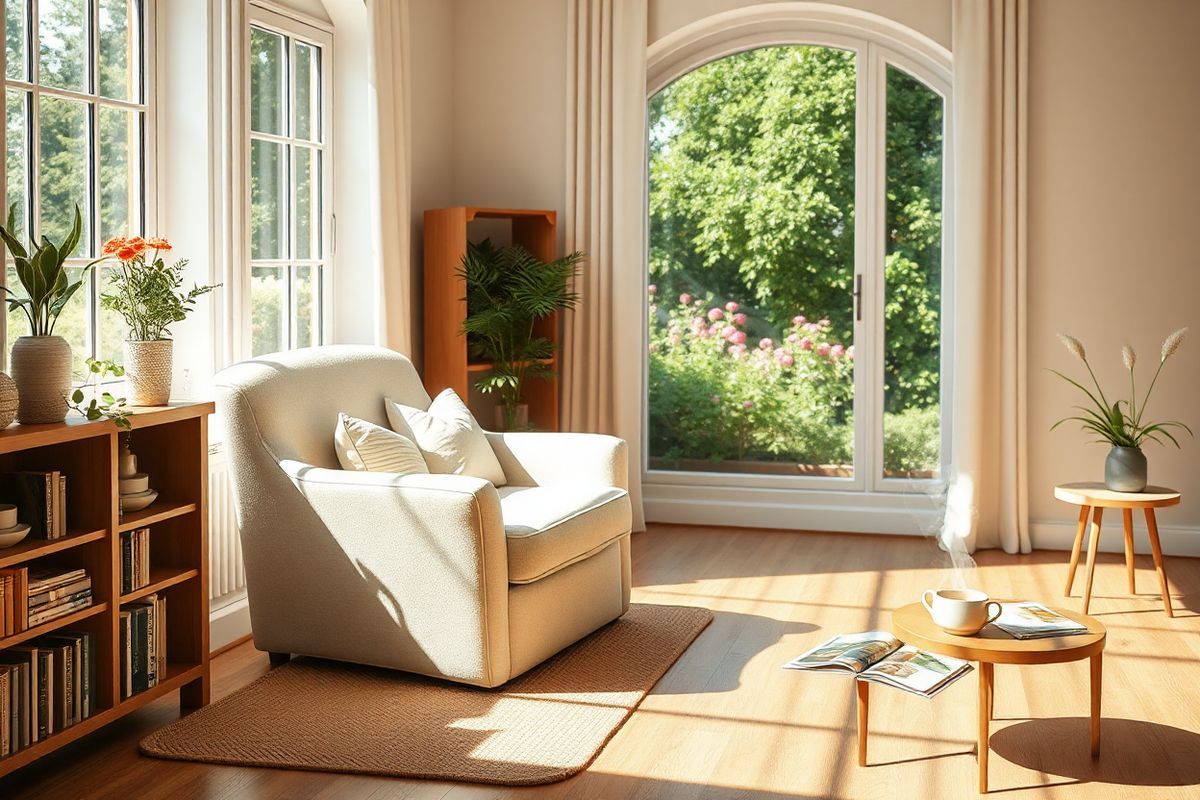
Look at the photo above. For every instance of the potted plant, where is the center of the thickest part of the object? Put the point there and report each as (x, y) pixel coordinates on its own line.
(41, 361)
(147, 293)
(508, 291)
(1120, 423)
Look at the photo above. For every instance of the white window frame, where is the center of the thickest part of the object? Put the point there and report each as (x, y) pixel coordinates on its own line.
(296, 26)
(94, 101)
(867, 501)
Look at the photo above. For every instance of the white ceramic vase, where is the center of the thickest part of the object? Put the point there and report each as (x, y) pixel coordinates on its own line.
(41, 368)
(148, 368)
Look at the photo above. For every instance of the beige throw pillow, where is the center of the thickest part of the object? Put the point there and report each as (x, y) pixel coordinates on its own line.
(449, 437)
(367, 447)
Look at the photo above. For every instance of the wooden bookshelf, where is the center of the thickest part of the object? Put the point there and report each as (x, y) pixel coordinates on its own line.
(172, 447)
(446, 362)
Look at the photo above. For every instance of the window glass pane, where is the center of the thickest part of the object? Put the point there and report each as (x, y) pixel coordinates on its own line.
(119, 49)
(305, 297)
(308, 219)
(268, 82)
(16, 162)
(913, 274)
(15, 36)
(120, 173)
(113, 330)
(72, 325)
(307, 60)
(268, 199)
(268, 301)
(63, 44)
(752, 181)
(64, 169)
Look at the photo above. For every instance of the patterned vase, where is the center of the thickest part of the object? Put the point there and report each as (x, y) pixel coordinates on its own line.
(8, 400)
(148, 372)
(41, 368)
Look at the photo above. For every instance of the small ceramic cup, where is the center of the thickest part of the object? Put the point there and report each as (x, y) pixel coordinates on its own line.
(8, 515)
(962, 612)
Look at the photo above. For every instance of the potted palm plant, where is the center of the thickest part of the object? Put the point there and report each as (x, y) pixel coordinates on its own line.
(41, 361)
(1121, 424)
(148, 295)
(508, 291)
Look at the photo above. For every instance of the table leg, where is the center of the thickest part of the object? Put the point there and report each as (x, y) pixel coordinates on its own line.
(1127, 514)
(1156, 549)
(985, 702)
(863, 692)
(1097, 680)
(1093, 543)
(1079, 531)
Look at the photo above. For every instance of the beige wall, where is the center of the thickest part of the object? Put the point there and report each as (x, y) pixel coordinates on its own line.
(1114, 224)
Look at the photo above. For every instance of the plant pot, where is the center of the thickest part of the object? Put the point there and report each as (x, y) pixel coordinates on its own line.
(1125, 469)
(519, 424)
(41, 368)
(9, 397)
(148, 372)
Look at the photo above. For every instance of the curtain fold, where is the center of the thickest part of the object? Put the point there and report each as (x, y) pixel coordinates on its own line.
(603, 338)
(390, 172)
(987, 505)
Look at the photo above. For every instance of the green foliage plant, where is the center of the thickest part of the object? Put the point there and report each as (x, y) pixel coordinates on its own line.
(1120, 423)
(508, 291)
(145, 291)
(103, 405)
(43, 275)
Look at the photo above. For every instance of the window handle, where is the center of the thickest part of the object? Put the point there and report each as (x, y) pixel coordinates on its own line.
(858, 297)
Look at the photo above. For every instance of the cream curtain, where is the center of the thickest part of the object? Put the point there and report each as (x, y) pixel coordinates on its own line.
(390, 170)
(988, 504)
(605, 218)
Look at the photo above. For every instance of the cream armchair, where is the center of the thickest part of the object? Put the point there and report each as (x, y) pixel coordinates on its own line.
(442, 575)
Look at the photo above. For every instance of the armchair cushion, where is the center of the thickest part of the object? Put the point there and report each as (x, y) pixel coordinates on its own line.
(550, 527)
(449, 437)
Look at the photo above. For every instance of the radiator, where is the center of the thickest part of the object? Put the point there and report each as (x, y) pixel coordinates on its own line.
(226, 572)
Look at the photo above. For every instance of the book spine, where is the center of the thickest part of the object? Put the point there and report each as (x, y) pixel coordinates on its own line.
(62, 505)
(4, 623)
(41, 602)
(54, 613)
(88, 674)
(4, 714)
(68, 685)
(127, 562)
(22, 598)
(152, 642)
(139, 650)
(46, 693)
(50, 493)
(124, 644)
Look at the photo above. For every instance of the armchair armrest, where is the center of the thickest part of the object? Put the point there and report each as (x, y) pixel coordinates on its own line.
(432, 551)
(546, 459)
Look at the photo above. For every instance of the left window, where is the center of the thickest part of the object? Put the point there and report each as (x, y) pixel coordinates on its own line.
(78, 130)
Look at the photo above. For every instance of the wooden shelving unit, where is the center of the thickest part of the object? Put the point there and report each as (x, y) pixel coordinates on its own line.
(172, 446)
(447, 231)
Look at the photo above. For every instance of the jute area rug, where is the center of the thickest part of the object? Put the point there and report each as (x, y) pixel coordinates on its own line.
(544, 726)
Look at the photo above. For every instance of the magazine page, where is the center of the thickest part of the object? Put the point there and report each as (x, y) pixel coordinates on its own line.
(917, 671)
(850, 651)
(1033, 620)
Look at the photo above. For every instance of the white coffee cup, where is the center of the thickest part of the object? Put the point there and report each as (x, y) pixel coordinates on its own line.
(962, 612)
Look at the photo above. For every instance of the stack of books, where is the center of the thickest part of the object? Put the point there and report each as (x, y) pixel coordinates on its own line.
(46, 686)
(41, 501)
(1034, 621)
(143, 644)
(135, 559)
(31, 596)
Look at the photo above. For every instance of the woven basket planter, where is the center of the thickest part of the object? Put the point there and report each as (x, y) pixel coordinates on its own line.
(41, 368)
(8, 400)
(148, 372)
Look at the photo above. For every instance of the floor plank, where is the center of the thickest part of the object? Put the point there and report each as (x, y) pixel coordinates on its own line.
(726, 721)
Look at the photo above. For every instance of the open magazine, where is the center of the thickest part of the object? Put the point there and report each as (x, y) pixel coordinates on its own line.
(879, 657)
(1035, 621)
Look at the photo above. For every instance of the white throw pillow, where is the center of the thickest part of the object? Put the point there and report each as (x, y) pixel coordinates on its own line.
(449, 437)
(367, 447)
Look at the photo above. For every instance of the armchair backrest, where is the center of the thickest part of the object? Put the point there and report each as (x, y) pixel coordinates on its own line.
(293, 398)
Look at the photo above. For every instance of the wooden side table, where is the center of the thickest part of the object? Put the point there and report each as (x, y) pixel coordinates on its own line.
(911, 624)
(1094, 498)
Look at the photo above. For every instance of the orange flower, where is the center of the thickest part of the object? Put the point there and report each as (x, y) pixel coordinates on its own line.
(158, 244)
(128, 252)
(137, 242)
(113, 245)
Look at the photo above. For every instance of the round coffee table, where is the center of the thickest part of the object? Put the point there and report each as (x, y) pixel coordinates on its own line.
(911, 624)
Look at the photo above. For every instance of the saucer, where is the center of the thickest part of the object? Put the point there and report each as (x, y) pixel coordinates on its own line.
(138, 500)
(13, 535)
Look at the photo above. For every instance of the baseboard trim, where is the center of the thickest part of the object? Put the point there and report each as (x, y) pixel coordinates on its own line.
(228, 624)
(1060, 535)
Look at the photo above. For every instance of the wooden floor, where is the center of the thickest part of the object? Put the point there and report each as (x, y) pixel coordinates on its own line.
(726, 721)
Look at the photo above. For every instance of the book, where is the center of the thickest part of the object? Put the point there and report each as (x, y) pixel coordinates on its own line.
(41, 579)
(45, 692)
(62, 505)
(1029, 620)
(41, 602)
(123, 644)
(5, 712)
(7, 613)
(23, 660)
(879, 657)
(52, 613)
(28, 655)
(44, 596)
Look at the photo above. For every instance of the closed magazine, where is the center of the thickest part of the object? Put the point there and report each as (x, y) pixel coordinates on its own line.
(1034, 621)
(879, 657)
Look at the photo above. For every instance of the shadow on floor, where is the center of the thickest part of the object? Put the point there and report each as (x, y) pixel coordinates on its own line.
(1132, 752)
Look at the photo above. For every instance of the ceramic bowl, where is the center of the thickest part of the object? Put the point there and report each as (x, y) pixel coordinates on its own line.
(136, 502)
(135, 484)
(13, 535)
(8, 515)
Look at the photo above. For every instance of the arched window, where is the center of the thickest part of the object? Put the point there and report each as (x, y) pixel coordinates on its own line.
(797, 275)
